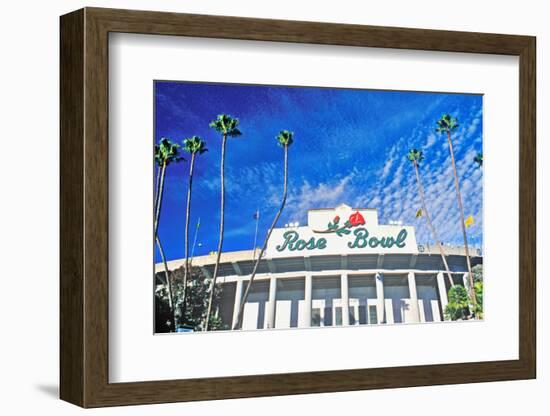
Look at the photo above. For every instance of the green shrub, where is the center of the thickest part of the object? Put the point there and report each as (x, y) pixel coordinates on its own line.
(196, 305)
(459, 302)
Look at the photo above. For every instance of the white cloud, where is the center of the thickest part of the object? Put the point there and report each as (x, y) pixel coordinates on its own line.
(430, 140)
(396, 194)
(321, 195)
(387, 167)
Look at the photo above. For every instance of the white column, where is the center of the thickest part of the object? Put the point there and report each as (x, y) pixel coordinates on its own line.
(238, 296)
(271, 302)
(379, 278)
(307, 300)
(442, 292)
(415, 312)
(345, 298)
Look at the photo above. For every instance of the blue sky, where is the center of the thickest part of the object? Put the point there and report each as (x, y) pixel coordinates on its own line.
(349, 147)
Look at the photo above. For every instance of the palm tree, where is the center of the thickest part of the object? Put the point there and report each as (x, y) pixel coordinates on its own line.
(445, 125)
(195, 146)
(417, 156)
(479, 159)
(166, 153)
(227, 127)
(285, 139)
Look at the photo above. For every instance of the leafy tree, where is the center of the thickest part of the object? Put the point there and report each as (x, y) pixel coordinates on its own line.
(478, 308)
(194, 146)
(166, 153)
(445, 125)
(226, 126)
(164, 317)
(415, 157)
(197, 295)
(477, 270)
(285, 139)
(459, 301)
(478, 288)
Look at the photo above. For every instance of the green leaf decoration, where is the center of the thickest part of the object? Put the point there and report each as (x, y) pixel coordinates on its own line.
(342, 231)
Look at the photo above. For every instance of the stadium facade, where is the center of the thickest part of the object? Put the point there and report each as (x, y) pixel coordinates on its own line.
(342, 268)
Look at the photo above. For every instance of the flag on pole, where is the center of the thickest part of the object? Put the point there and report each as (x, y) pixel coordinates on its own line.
(195, 240)
(469, 221)
(419, 213)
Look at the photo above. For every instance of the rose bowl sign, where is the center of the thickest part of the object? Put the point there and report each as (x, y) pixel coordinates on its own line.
(342, 230)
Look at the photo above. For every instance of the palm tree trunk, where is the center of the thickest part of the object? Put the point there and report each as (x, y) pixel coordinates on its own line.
(429, 221)
(187, 216)
(159, 191)
(257, 263)
(463, 225)
(159, 198)
(220, 243)
(168, 282)
(256, 234)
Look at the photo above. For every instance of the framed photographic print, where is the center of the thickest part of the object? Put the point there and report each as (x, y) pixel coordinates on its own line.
(256, 207)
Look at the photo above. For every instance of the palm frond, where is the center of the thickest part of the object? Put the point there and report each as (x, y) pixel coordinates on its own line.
(285, 138)
(446, 124)
(415, 155)
(167, 152)
(194, 145)
(479, 159)
(226, 125)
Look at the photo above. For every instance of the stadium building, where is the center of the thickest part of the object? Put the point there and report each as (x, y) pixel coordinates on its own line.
(342, 268)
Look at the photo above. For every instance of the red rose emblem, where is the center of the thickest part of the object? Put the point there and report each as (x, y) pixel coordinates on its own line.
(356, 219)
(336, 219)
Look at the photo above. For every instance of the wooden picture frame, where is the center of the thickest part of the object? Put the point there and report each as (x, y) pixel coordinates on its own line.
(84, 207)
